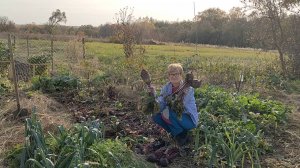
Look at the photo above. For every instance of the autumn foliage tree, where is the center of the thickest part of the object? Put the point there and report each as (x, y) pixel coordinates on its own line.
(144, 29)
(212, 22)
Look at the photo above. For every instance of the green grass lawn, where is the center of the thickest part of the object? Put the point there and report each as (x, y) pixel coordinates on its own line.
(109, 49)
(99, 49)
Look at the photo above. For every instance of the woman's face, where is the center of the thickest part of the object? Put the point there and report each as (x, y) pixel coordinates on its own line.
(175, 77)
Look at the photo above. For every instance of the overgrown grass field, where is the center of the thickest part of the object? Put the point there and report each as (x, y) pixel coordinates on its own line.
(216, 64)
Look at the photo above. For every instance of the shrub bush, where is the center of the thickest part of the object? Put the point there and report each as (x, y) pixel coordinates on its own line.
(3, 57)
(39, 59)
(55, 84)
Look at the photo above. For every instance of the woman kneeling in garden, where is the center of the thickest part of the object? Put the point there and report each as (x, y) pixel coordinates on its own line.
(178, 113)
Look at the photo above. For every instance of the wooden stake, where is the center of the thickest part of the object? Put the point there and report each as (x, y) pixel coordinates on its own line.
(83, 48)
(27, 42)
(11, 54)
(52, 53)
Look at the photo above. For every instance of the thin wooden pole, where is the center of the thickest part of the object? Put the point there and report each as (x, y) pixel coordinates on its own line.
(52, 66)
(27, 42)
(14, 44)
(83, 48)
(33, 67)
(11, 54)
(195, 19)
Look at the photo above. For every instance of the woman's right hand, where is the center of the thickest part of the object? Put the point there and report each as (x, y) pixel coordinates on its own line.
(151, 89)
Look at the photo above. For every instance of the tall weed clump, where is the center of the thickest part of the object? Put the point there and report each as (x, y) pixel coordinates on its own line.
(56, 83)
(39, 63)
(4, 56)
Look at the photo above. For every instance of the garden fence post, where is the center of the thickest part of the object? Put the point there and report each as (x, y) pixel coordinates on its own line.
(52, 53)
(14, 44)
(33, 70)
(11, 55)
(27, 43)
(83, 48)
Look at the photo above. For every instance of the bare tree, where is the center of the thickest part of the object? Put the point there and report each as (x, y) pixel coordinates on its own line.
(6, 25)
(125, 31)
(272, 14)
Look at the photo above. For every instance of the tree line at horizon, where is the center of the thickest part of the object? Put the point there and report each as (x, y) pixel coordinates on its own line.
(212, 26)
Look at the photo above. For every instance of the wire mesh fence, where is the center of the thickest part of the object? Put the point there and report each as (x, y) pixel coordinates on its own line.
(24, 56)
(40, 56)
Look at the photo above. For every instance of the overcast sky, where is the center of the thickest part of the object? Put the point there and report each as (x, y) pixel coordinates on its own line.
(96, 12)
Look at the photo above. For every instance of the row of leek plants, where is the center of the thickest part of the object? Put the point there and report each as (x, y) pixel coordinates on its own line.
(70, 148)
